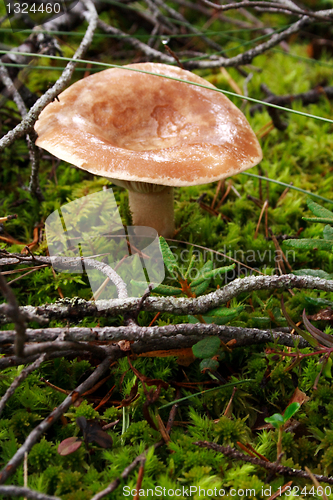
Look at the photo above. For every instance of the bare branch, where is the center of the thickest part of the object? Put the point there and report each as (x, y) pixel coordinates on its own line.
(244, 336)
(31, 350)
(13, 311)
(79, 308)
(110, 273)
(146, 49)
(248, 56)
(7, 81)
(271, 466)
(19, 379)
(37, 432)
(10, 361)
(33, 150)
(28, 122)
(34, 187)
(268, 6)
(19, 491)
(310, 97)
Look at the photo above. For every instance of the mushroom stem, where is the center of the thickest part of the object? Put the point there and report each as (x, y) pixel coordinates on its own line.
(154, 209)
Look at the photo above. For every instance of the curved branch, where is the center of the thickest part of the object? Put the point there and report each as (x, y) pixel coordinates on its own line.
(35, 435)
(28, 122)
(19, 379)
(271, 466)
(79, 308)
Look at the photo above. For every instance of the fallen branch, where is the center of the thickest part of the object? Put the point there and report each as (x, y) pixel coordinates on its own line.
(138, 460)
(19, 379)
(79, 308)
(19, 491)
(28, 122)
(310, 97)
(271, 466)
(37, 432)
(243, 336)
(13, 311)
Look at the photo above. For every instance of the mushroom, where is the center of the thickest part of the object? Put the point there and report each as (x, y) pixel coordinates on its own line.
(149, 134)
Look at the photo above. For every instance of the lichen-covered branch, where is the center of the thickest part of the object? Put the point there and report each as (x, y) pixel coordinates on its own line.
(244, 336)
(79, 308)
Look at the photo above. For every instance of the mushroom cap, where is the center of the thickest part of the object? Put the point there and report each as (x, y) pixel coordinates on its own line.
(134, 126)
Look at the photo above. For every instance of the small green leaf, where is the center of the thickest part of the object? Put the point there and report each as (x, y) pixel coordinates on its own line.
(275, 420)
(323, 220)
(208, 266)
(225, 312)
(328, 232)
(211, 274)
(161, 289)
(318, 210)
(190, 266)
(209, 364)
(316, 273)
(200, 289)
(327, 370)
(317, 301)
(206, 348)
(170, 260)
(290, 411)
(167, 290)
(309, 244)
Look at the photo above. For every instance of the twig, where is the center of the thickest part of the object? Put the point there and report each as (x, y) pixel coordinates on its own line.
(19, 491)
(19, 379)
(244, 336)
(266, 6)
(146, 49)
(13, 311)
(248, 56)
(10, 361)
(34, 186)
(140, 479)
(310, 97)
(264, 207)
(37, 432)
(126, 472)
(7, 81)
(28, 122)
(79, 308)
(110, 273)
(228, 451)
(31, 350)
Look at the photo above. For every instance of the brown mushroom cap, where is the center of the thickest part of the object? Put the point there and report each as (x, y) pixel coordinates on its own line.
(133, 126)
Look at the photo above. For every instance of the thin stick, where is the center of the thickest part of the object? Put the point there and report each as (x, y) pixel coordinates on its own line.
(264, 207)
(14, 312)
(19, 379)
(37, 432)
(28, 122)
